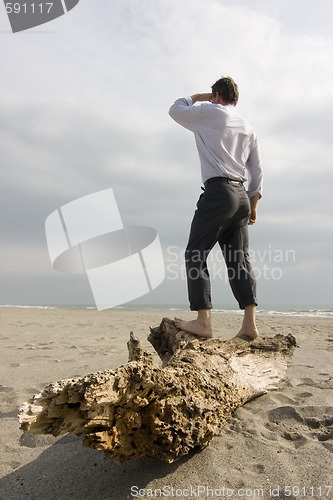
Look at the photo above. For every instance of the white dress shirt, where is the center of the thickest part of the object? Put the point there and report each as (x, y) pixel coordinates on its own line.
(227, 144)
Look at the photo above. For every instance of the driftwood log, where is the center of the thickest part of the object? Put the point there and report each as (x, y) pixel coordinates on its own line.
(144, 409)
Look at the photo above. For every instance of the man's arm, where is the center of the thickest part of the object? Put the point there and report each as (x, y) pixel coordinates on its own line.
(254, 169)
(254, 202)
(201, 97)
(184, 113)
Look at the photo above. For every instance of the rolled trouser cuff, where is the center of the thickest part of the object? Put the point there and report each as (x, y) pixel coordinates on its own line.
(248, 302)
(206, 305)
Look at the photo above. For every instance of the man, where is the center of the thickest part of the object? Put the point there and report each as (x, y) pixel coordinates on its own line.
(229, 155)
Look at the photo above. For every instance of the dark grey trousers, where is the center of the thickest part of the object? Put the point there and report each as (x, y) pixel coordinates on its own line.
(221, 217)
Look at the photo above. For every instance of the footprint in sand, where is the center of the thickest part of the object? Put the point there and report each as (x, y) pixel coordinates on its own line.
(259, 468)
(7, 394)
(330, 344)
(305, 423)
(8, 401)
(303, 396)
(33, 441)
(281, 398)
(323, 384)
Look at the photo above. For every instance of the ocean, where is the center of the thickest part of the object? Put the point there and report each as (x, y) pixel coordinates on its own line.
(306, 311)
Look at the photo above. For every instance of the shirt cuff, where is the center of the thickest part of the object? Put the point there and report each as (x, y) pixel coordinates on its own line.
(252, 193)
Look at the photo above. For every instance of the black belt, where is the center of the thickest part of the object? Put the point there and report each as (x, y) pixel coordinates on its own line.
(233, 182)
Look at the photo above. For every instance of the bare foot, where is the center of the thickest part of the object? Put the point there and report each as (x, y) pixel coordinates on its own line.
(202, 328)
(249, 330)
(248, 334)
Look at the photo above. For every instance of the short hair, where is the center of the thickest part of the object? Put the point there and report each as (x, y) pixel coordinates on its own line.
(227, 88)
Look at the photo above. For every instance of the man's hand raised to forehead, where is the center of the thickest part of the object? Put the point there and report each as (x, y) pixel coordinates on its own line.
(201, 97)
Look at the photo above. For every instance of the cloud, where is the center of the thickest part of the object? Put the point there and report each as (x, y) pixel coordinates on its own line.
(86, 108)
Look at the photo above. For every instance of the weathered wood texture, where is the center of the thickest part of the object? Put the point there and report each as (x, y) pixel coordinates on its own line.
(143, 409)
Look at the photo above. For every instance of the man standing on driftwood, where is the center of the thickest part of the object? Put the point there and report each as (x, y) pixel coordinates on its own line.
(229, 155)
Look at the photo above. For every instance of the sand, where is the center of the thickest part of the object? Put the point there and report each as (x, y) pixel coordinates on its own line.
(278, 446)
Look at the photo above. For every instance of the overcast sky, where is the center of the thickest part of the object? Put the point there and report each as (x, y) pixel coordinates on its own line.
(84, 107)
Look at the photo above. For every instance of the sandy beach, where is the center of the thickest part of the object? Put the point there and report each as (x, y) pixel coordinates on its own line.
(277, 446)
